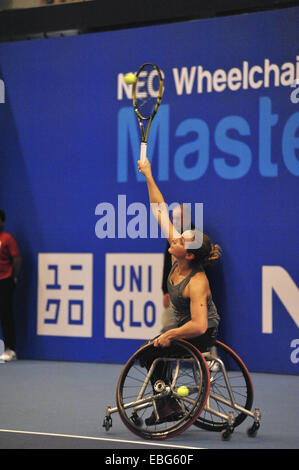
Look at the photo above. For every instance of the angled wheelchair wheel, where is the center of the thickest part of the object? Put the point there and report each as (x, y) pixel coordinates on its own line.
(220, 399)
(147, 396)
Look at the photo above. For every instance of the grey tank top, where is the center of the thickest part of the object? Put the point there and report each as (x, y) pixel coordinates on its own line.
(181, 305)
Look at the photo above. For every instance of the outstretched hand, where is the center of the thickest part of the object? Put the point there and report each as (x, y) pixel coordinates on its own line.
(144, 167)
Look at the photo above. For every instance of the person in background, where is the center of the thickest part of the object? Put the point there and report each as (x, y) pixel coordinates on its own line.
(10, 264)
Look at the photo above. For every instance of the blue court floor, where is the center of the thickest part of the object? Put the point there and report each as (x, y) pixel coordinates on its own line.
(61, 405)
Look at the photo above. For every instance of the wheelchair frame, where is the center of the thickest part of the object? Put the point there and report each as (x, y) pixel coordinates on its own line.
(231, 402)
(210, 367)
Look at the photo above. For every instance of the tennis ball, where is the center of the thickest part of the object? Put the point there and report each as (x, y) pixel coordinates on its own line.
(183, 391)
(130, 78)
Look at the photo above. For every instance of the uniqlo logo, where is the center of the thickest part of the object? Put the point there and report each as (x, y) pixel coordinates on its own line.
(65, 294)
(133, 295)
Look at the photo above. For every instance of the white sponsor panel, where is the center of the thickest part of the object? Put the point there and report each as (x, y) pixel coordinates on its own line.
(277, 279)
(65, 294)
(134, 298)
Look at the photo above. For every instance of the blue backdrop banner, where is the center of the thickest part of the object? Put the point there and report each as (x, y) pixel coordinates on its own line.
(225, 141)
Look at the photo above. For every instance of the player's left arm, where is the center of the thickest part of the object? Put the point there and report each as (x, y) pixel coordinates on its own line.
(198, 324)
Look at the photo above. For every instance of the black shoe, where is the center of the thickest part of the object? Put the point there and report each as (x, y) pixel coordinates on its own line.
(152, 420)
(169, 411)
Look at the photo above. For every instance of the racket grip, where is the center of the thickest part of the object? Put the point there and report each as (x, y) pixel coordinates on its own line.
(143, 151)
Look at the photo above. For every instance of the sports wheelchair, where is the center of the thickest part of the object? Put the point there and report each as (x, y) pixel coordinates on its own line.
(217, 393)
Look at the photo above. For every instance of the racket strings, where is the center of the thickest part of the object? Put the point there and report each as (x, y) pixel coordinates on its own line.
(147, 91)
(146, 106)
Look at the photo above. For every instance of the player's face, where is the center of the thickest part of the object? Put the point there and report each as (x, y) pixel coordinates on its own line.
(177, 247)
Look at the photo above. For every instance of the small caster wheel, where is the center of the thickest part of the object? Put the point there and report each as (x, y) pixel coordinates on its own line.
(137, 420)
(252, 431)
(226, 434)
(107, 423)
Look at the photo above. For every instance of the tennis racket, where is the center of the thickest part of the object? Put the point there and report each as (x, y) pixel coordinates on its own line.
(147, 97)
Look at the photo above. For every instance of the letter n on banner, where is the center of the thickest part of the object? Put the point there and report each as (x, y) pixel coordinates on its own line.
(278, 279)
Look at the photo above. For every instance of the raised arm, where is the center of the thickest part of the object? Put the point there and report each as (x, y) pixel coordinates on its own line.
(156, 199)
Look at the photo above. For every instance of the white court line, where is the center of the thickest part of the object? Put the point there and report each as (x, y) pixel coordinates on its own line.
(145, 442)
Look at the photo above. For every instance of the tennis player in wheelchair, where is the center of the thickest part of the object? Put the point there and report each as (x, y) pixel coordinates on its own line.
(196, 314)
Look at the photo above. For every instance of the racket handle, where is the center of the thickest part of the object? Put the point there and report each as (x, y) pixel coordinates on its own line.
(143, 151)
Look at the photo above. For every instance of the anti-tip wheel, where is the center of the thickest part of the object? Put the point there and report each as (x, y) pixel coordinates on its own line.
(252, 431)
(226, 434)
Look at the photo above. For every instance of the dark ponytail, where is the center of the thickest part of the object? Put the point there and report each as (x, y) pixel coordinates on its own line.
(209, 253)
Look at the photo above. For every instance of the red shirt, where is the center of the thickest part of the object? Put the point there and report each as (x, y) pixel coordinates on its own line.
(8, 249)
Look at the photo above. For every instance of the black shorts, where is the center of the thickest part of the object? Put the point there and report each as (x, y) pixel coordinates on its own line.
(202, 343)
(205, 341)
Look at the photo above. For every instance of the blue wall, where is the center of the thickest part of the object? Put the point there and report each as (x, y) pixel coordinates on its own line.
(226, 135)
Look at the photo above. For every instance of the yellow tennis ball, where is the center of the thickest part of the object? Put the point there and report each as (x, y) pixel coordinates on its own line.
(183, 391)
(130, 78)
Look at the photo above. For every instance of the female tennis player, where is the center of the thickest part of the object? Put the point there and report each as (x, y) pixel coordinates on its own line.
(188, 287)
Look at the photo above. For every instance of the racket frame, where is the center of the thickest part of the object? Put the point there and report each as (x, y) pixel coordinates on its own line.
(141, 119)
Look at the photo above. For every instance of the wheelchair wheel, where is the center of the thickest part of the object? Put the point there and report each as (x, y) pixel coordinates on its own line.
(241, 387)
(147, 398)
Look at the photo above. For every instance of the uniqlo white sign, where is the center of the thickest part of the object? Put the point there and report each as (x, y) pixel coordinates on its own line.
(65, 294)
(133, 296)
